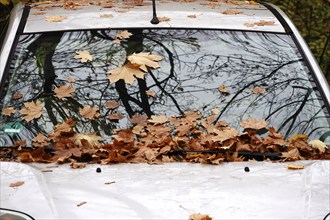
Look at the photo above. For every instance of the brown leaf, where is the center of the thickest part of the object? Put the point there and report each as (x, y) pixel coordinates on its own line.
(40, 140)
(192, 16)
(89, 112)
(71, 80)
(126, 136)
(111, 105)
(264, 23)
(252, 123)
(292, 155)
(16, 184)
(127, 72)
(115, 117)
(199, 216)
(8, 111)
(124, 35)
(56, 18)
(161, 119)
(106, 16)
(232, 11)
(150, 93)
(76, 165)
(92, 139)
(81, 203)
(32, 110)
(258, 90)
(84, 56)
(116, 41)
(64, 91)
(17, 95)
(145, 60)
(292, 166)
(223, 89)
(138, 119)
(163, 19)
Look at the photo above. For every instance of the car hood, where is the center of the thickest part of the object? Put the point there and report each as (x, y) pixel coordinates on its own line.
(168, 191)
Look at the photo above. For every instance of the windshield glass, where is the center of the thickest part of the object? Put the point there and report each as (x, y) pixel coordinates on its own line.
(229, 75)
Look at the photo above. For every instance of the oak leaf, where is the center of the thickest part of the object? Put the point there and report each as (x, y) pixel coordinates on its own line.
(32, 110)
(127, 72)
(84, 56)
(64, 91)
(8, 111)
(89, 112)
(144, 60)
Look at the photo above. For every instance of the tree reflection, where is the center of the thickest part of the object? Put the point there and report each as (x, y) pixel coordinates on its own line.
(196, 63)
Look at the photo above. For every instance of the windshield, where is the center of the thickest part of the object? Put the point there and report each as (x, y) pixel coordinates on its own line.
(230, 75)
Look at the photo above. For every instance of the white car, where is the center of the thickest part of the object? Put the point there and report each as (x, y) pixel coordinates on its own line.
(161, 110)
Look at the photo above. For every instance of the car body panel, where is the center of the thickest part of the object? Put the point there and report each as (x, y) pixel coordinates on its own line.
(140, 16)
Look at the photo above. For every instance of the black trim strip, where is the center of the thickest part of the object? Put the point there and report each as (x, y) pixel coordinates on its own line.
(279, 17)
(19, 31)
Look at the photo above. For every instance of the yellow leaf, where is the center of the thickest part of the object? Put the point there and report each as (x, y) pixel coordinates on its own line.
(84, 56)
(127, 73)
(317, 144)
(144, 60)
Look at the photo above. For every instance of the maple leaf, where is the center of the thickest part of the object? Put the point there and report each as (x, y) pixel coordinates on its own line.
(199, 216)
(16, 184)
(56, 18)
(111, 105)
(32, 110)
(64, 91)
(39, 141)
(84, 56)
(232, 11)
(124, 35)
(138, 119)
(317, 144)
(292, 155)
(126, 136)
(115, 117)
(215, 111)
(89, 112)
(144, 60)
(17, 95)
(127, 73)
(258, 90)
(8, 111)
(252, 123)
(161, 119)
(76, 165)
(116, 41)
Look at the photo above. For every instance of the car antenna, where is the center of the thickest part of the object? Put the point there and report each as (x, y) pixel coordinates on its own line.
(154, 19)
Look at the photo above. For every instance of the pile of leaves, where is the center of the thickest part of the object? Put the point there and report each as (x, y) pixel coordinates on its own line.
(183, 138)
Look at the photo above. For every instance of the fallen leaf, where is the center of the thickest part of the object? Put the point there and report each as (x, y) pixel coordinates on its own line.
(295, 166)
(84, 56)
(111, 105)
(17, 95)
(89, 112)
(199, 216)
(71, 80)
(40, 140)
(317, 144)
(16, 184)
(76, 165)
(258, 90)
(92, 139)
(116, 41)
(32, 110)
(124, 35)
(81, 203)
(56, 18)
(64, 91)
(106, 16)
(264, 23)
(192, 16)
(126, 136)
(223, 89)
(232, 11)
(8, 111)
(128, 72)
(144, 60)
(252, 123)
(115, 117)
(158, 119)
(138, 119)
(150, 93)
(215, 111)
(163, 19)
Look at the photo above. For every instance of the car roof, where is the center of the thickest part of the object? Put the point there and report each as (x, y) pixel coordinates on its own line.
(224, 14)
